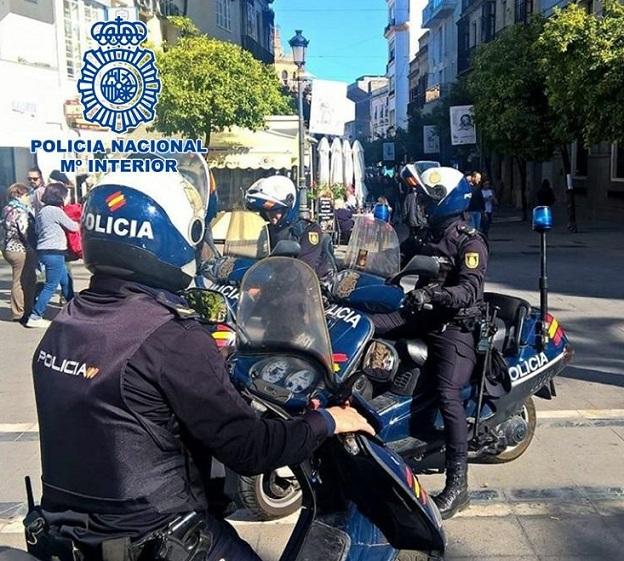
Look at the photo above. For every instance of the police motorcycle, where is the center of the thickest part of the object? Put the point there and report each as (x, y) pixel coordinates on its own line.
(522, 348)
(359, 499)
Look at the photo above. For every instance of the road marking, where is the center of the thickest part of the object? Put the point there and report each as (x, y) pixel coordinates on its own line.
(554, 502)
(563, 414)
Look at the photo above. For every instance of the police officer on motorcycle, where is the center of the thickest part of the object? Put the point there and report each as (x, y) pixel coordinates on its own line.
(133, 398)
(456, 303)
(275, 198)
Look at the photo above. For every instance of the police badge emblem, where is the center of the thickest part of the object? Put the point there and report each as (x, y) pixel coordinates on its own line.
(313, 238)
(347, 283)
(119, 82)
(225, 268)
(472, 260)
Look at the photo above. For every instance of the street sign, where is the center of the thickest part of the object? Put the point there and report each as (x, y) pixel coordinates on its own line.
(326, 214)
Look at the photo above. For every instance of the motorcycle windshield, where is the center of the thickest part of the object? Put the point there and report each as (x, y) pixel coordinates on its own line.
(247, 236)
(373, 247)
(281, 310)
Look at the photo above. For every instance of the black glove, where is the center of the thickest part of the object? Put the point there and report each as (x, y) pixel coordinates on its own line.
(417, 299)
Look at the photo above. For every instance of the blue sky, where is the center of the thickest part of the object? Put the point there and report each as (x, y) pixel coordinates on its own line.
(346, 36)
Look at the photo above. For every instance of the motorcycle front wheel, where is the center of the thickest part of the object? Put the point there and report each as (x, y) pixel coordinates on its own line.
(512, 453)
(270, 495)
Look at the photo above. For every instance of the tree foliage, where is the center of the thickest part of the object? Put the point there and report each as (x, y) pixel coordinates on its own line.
(209, 85)
(507, 85)
(582, 59)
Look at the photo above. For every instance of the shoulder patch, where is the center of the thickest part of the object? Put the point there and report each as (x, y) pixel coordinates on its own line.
(472, 260)
(313, 238)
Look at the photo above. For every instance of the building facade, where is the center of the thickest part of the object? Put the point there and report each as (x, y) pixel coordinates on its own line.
(379, 113)
(360, 93)
(402, 33)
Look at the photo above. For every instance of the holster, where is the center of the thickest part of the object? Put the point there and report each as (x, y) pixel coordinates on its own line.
(186, 538)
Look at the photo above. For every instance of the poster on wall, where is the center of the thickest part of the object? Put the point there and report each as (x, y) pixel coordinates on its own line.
(463, 129)
(431, 139)
(330, 108)
(388, 152)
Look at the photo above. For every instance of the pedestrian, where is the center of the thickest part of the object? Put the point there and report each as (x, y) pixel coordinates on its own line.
(545, 195)
(344, 219)
(415, 222)
(19, 227)
(37, 187)
(52, 224)
(476, 207)
(489, 198)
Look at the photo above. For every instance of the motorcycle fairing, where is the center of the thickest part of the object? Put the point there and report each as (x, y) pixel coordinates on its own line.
(349, 331)
(386, 491)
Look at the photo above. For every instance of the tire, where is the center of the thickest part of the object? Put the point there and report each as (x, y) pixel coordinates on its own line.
(514, 452)
(260, 495)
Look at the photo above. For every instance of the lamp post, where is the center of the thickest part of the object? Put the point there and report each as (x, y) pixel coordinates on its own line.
(299, 44)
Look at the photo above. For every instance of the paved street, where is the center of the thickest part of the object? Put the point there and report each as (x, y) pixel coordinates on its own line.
(563, 500)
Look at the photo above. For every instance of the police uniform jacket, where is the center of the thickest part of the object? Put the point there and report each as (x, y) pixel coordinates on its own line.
(133, 400)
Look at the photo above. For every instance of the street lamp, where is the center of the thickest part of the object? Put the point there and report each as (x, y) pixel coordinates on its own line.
(299, 44)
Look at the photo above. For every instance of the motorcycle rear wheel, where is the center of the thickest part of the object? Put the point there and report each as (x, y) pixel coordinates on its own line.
(269, 496)
(512, 453)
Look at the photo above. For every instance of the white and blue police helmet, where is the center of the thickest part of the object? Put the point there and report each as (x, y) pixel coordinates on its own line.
(275, 199)
(445, 191)
(145, 226)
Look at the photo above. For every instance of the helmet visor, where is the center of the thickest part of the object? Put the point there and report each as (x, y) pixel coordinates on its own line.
(191, 166)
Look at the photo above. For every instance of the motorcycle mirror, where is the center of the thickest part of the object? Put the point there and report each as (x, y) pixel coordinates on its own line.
(381, 362)
(286, 248)
(542, 219)
(209, 304)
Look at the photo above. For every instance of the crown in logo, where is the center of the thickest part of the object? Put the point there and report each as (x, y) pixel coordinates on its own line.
(119, 32)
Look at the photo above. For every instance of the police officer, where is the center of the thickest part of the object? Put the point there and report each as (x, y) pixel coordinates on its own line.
(456, 303)
(275, 198)
(133, 398)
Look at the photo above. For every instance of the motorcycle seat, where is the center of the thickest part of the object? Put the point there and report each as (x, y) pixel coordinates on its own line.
(510, 317)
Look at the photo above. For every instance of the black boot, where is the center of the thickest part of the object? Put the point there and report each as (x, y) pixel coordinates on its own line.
(454, 496)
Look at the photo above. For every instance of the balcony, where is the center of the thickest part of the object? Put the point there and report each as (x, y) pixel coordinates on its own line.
(257, 50)
(388, 27)
(435, 10)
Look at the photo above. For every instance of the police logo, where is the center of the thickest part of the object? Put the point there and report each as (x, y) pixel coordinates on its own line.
(472, 260)
(347, 283)
(119, 82)
(434, 177)
(226, 268)
(313, 238)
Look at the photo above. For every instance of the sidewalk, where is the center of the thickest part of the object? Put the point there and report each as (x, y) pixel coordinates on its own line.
(562, 501)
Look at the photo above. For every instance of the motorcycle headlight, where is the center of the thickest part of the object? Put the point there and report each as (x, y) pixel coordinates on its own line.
(381, 361)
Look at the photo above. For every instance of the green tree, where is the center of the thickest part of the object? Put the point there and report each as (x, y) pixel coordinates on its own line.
(511, 109)
(582, 59)
(210, 85)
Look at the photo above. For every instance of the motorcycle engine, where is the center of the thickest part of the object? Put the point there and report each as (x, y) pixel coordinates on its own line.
(515, 430)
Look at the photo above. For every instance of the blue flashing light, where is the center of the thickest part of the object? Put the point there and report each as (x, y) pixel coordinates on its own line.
(542, 219)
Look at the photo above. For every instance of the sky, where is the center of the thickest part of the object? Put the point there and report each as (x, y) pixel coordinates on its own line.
(346, 36)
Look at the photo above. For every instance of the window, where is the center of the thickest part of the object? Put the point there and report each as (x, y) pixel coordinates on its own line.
(488, 21)
(617, 162)
(78, 16)
(252, 30)
(285, 77)
(224, 17)
(391, 52)
(473, 34)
